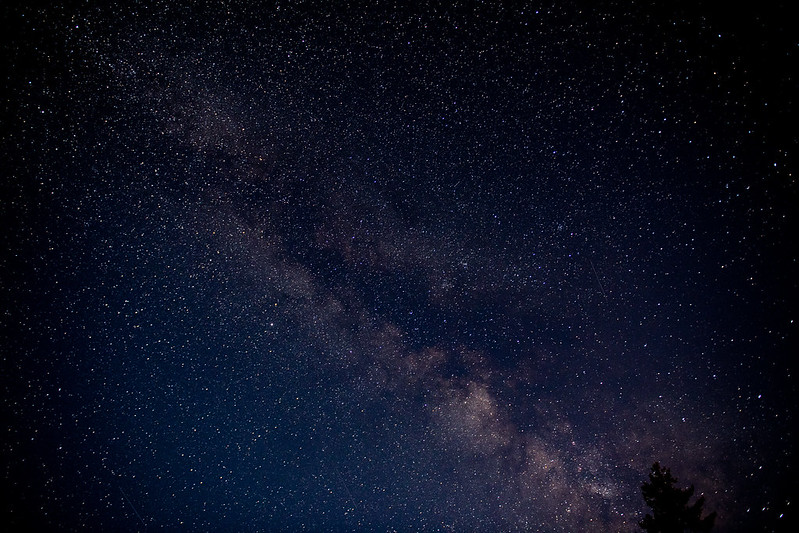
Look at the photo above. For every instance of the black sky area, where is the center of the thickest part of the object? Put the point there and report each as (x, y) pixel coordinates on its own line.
(300, 266)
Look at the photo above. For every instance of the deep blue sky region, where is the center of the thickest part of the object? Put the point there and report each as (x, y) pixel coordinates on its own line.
(299, 266)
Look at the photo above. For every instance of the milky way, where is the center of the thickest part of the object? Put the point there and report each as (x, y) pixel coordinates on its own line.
(297, 267)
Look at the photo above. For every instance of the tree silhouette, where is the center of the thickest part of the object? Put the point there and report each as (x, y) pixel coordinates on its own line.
(670, 510)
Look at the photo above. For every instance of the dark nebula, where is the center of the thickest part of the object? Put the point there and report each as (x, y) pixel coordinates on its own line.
(470, 267)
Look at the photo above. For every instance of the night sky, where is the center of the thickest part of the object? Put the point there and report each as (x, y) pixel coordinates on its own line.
(466, 267)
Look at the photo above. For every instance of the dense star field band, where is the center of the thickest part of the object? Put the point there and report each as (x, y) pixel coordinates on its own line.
(313, 267)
